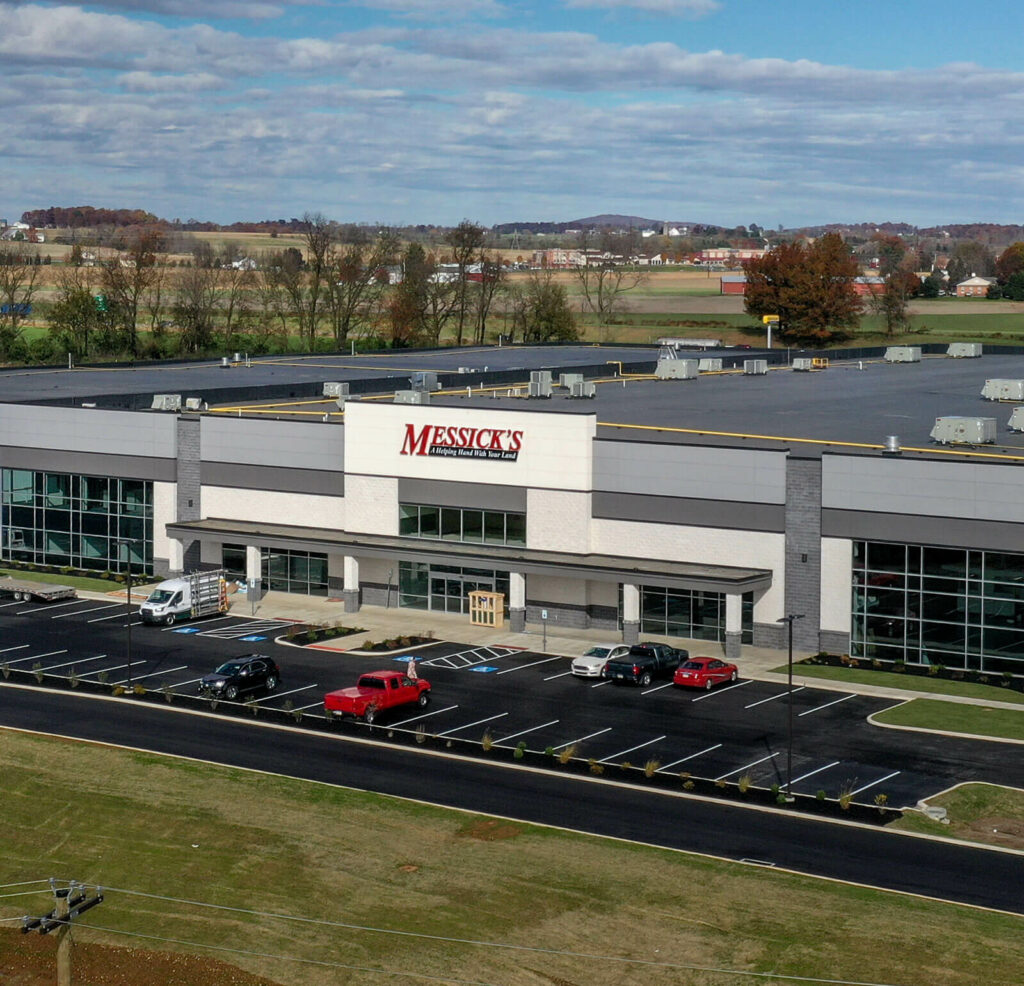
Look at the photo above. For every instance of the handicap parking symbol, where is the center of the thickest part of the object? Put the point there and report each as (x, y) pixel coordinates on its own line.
(253, 639)
(186, 630)
(483, 668)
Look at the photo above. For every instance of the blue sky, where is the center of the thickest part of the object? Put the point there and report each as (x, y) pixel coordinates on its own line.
(421, 111)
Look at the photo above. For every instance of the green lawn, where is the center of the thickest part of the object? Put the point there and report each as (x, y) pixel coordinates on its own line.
(55, 578)
(954, 717)
(138, 822)
(908, 682)
(975, 813)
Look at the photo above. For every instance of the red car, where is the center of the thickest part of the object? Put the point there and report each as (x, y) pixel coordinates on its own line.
(704, 672)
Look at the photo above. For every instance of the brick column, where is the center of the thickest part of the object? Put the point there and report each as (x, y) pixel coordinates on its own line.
(630, 614)
(517, 602)
(189, 484)
(803, 550)
(351, 591)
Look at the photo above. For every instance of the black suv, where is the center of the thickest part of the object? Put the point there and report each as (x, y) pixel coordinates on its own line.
(248, 673)
(643, 663)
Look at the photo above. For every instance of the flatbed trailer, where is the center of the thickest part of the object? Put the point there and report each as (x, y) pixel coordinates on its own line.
(45, 592)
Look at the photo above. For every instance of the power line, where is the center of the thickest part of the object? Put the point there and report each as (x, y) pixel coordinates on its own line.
(651, 963)
(24, 883)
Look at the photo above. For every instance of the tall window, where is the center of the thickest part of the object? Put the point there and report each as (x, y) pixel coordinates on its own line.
(64, 519)
(951, 606)
(461, 524)
(689, 613)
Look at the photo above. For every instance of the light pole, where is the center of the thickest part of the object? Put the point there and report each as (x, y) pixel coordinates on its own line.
(126, 546)
(790, 618)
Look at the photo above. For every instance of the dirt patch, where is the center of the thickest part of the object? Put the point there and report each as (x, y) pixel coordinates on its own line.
(490, 830)
(997, 830)
(30, 960)
(408, 868)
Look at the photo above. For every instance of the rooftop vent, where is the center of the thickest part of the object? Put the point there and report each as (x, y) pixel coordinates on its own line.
(903, 354)
(676, 369)
(892, 445)
(568, 379)
(424, 380)
(334, 388)
(166, 402)
(755, 367)
(195, 404)
(964, 350)
(1003, 390)
(803, 364)
(709, 365)
(582, 390)
(960, 430)
(412, 397)
(1016, 422)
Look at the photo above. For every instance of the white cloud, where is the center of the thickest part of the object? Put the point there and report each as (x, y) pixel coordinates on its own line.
(674, 8)
(432, 9)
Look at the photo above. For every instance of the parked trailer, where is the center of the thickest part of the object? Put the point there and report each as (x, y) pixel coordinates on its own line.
(45, 592)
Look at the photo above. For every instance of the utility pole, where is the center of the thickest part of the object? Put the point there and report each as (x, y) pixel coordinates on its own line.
(70, 901)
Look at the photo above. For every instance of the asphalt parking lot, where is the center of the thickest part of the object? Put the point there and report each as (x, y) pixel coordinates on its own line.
(522, 696)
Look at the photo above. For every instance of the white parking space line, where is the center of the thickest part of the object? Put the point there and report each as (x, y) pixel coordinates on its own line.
(561, 674)
(639, 746)
(17, 602)
(692, 756)
(658, 688)
(532, 729)
(746, 766)
(152, 674)
(191, 681)
(561, 746)
(607, 681)
(772, 698)
(113, 616)
(117, 667)
(722, 691)
(219, 619)
(426, 715)
(479, 722)
(71, 664)
(532, 664)
(4, 650)
(826, 705)
(36, 657)
(888, 777)
(82, 612)
(50, 606)
(302, 708)
(294, 691)
(803, 777)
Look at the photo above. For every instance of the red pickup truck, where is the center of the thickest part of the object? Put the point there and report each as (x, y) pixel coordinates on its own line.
(376, 692)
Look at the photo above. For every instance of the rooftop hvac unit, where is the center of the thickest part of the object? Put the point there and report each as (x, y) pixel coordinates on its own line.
(582, 390)
(676, 369)
(412, 397)
(425, 380)
(709, 365)
(803, 363)
(1003, 390)
(333, 388)
(961, 430)
(1016, 422)
(540, 376)
(166, 402)
(668, 352)
(540, 388)
(755, 367)
(195, 404)
(568, 379)
(903, 354)
(964, 350)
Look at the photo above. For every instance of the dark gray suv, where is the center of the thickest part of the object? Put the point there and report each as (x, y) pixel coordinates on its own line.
(249, 673)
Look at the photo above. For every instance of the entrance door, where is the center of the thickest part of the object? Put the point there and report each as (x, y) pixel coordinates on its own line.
(449, 592)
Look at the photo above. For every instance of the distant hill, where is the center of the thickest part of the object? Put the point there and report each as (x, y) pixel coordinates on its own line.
(605, 221)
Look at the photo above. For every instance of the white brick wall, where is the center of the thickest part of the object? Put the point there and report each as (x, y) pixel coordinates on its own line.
(302, 509)
(836, 565)
(558, 520)
(164, 513)
(371, 505)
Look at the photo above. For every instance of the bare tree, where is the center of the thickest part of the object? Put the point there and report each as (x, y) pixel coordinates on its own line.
(73, 316)
(492, 277)
(194, 305)
(358, 280)
(464, 240)
(125, 277)
(18, 275)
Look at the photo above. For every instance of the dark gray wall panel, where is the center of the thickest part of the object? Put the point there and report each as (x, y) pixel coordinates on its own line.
(698, 513)
(266, 442)
(913, 529)
(803, 550)
(473, 495)
(689, 471)
(245, 477)
(189, 489)
(89, 463)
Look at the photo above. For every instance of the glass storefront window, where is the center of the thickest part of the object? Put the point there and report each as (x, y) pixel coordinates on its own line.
(948, 606)
(460, 524)
(685, 613)
(69, 520)
(301, 572)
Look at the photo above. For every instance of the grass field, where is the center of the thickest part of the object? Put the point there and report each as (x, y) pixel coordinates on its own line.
(196, 832)
(953, 717)
(980, 813)
(908, 682)
(78, 581)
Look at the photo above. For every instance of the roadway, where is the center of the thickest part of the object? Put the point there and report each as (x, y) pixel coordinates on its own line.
(863, 855)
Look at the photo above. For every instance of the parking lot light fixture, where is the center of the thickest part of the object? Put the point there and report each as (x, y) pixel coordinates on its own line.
(124, 550)
(790, 618)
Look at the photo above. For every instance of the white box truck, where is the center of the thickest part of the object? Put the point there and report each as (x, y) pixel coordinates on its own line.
(191, 596)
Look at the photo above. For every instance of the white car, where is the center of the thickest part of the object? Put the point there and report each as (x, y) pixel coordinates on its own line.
(592, 663)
